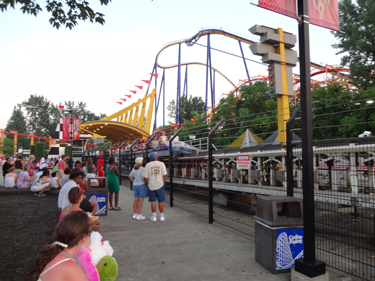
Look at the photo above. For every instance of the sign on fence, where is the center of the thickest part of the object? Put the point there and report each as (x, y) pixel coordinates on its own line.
(243, 161)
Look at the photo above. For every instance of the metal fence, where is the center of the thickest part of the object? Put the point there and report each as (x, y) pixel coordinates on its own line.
(343, 177)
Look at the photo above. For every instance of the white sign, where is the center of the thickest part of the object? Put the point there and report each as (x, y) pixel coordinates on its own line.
(243, 161)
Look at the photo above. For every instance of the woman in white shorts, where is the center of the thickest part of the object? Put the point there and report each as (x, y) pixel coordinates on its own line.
(42, 184)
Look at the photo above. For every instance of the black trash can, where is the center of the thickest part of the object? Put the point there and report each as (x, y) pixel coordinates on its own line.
(98, 193)
(278, 232)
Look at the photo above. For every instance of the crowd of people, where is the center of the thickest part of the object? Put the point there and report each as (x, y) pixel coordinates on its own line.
(59, 261)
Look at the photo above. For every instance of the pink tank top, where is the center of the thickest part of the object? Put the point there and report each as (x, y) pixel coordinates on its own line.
(62, 216)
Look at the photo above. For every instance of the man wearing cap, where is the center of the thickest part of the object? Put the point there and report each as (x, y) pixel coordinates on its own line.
(155, 175)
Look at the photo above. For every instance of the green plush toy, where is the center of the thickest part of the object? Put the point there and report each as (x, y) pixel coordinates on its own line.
(107, 268)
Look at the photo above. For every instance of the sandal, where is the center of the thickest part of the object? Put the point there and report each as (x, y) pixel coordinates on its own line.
(111, 209)
(118, 209)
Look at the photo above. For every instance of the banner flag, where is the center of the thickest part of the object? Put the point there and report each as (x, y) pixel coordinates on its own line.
(325, 14)
(285, 7)
(322, 13)
(76, 128)
(66, 129)
(140, 87)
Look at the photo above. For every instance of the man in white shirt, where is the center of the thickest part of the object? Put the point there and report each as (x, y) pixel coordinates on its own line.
(155, 175)
(75, 179)
(42, 163)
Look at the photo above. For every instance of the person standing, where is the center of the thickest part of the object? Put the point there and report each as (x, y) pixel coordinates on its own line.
(31, 165)
(42, 163)
(155, 175)
(100, 161)
(62, 167)
(140, 188)
(113, 184)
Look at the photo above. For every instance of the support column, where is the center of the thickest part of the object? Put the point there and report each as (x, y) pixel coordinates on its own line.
(1, 142)
(31, 139)
(15, 143)
(353, 173)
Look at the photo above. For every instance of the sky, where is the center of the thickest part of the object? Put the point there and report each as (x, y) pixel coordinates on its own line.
(99, 64)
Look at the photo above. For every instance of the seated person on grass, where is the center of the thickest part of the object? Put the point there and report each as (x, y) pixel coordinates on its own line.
(24, 179)
(75, 198)
(75, 180)
(42, 184)
(11, 178)
(54, 182)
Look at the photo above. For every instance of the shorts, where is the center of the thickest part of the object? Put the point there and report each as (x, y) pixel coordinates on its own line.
(159, 193)
(86, 206)
(60, 173)
(37, 188)
(140, 190)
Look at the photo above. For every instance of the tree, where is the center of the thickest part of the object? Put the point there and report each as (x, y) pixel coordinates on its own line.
(255, 110)
(198, 128)
(172, 111)
(7, 146)
(39, 150)
(80, 111)
(17, 122)
(63, 13)
(357, 40)
(186, 108)
(336, 115)
(42, 116)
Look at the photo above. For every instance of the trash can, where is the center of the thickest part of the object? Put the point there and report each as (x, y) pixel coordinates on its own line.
(278, 232)
(98, 193)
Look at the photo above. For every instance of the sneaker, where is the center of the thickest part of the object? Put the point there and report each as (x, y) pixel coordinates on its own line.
(135, 216)
(153, 219)
(162, 218)
(41, 194)
(140, 217)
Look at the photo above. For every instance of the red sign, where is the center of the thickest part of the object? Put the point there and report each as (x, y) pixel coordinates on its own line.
(66, 129)
(76, 128)
(243, 161)
(285, 7)
(322, 13)
(325, 14)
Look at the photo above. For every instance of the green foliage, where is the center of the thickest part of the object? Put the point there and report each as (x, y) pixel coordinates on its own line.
(68, 150)
(80, 111)
(199, 128)
(256, 110)
(357, 40)
(17, 122)
(66, 13)
(186, 108)
(39, 150)
(336, 114)
(32, 149)
(7, 146)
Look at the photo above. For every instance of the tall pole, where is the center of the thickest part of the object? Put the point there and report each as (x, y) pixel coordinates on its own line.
(308, 265)
(178, 81)
(71, 134)
(364, 115)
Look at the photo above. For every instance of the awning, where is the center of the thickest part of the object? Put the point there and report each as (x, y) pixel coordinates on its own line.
(113, 131)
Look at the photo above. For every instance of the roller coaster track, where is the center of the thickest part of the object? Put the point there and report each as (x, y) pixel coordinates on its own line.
(192, 40)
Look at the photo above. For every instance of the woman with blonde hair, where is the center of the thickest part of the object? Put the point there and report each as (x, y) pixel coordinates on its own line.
(59, 261)
(10, 179)
(140, 188)
(24, 179)
(31, 164)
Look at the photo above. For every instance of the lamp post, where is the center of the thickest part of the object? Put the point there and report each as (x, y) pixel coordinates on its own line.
(363, 103)
(71, 132)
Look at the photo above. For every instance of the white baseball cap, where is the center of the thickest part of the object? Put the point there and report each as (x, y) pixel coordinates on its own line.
(138, 160)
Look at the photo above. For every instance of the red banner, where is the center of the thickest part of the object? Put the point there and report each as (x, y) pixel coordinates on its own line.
(285, 7)
(323, 13)
(76, 128)
(66, 129)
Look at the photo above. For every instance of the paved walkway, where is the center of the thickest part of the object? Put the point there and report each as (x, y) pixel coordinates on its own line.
(184, 247)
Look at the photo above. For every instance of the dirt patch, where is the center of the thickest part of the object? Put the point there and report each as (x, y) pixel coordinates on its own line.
(26, 224)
